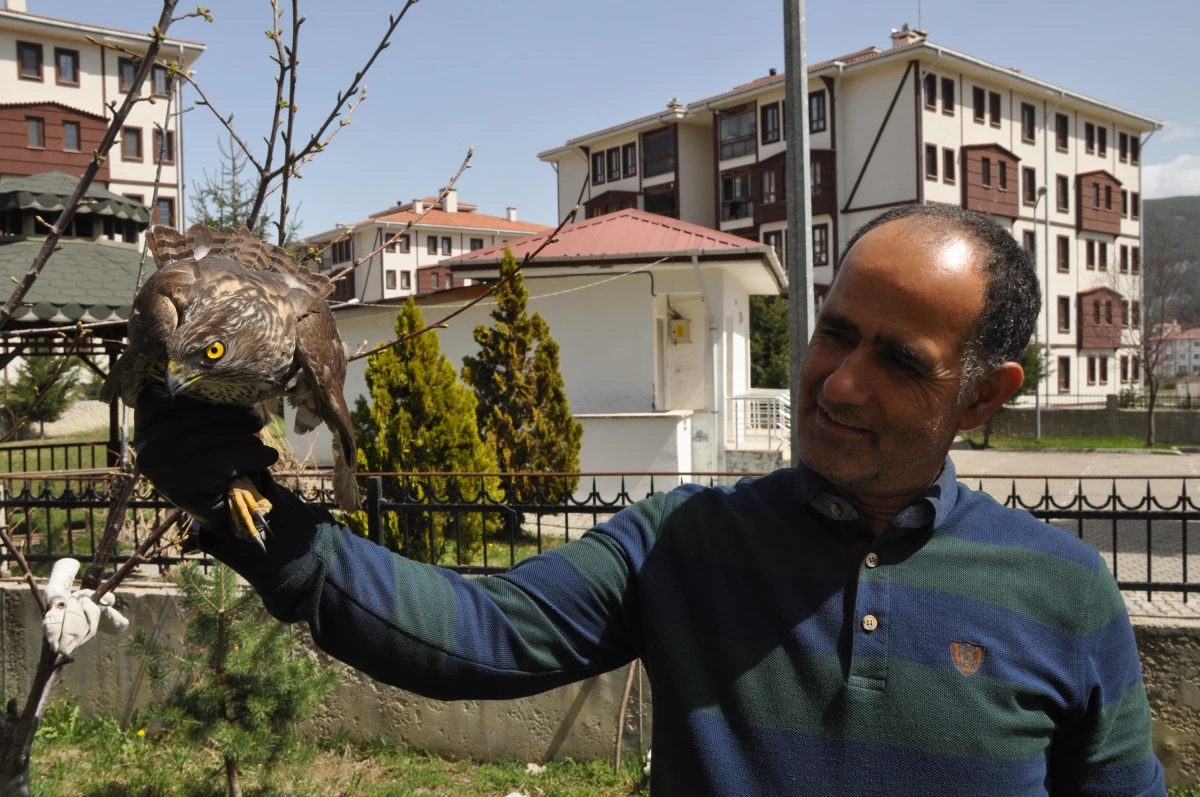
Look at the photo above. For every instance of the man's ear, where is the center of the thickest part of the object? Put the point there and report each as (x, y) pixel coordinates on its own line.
(990, 394)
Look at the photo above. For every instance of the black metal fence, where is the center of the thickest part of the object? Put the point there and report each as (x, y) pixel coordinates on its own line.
(479, 524)
(40, 457)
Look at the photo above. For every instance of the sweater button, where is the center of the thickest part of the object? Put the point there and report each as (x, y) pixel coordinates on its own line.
(869, 622)
(872, 559)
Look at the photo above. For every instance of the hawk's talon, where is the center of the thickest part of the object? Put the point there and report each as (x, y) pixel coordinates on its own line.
(249, 512)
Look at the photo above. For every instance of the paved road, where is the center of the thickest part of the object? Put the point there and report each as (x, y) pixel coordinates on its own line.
(1069, 463)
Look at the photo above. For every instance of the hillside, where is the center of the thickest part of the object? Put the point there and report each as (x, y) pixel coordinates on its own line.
(1178, 220)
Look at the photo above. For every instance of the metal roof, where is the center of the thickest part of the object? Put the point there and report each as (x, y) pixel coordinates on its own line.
(83, 281)
(50, 191)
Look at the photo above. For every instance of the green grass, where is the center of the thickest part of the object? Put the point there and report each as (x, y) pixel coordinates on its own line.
(97, 758)
(975, 439)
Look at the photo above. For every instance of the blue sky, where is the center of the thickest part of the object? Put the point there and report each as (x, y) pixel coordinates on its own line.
(516, 77)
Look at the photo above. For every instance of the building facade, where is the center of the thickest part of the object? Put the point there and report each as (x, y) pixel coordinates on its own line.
(917, 122)
(399, 260)
(57, 80)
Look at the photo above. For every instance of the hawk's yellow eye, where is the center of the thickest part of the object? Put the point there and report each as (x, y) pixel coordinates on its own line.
(216, 351)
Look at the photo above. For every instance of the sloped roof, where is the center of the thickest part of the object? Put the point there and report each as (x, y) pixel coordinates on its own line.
(50, 191)
(626, 232)
(440, 218)
(82, 281)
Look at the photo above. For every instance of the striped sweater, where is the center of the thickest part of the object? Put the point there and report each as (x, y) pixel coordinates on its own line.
(972, 651)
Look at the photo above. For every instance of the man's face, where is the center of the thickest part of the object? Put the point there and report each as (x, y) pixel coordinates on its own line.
(879, 385)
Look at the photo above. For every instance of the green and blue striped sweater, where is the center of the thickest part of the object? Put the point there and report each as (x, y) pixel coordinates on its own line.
(999, 658)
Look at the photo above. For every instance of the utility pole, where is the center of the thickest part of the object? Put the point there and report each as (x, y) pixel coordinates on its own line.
(798, 249)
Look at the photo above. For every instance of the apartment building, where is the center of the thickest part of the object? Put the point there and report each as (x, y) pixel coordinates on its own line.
(917, 122)
(57, 79)
(399, 261)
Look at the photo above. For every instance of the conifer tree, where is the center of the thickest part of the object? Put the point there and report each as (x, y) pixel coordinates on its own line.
(421, 419)
(41, 392)
(523, 412)
(239, 681)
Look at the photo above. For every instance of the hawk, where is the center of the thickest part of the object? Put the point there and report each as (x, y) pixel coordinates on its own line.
(233, 320)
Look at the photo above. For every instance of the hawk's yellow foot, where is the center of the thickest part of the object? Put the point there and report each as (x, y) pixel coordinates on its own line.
(249, 509)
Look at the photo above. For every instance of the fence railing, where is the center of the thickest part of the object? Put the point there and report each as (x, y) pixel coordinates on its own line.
(1167, 399)
(83, 455)
(486, 523)
(764, 418)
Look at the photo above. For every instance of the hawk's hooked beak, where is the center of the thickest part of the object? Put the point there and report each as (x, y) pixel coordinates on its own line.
(177, 381)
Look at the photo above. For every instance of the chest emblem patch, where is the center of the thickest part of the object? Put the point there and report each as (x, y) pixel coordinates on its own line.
(967, 657)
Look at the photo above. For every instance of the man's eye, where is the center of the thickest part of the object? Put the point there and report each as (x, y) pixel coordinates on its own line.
(834, 336)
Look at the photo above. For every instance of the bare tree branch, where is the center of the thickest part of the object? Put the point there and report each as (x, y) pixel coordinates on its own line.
(140, 554)
(293, 56)
(98, 157)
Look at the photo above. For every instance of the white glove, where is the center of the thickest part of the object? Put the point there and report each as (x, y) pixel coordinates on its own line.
(74, 617)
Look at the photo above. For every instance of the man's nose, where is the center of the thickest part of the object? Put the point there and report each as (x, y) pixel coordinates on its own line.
(850, 383)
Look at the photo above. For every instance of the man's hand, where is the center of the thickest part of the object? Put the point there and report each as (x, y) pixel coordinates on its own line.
(73, 617)
(192, 450)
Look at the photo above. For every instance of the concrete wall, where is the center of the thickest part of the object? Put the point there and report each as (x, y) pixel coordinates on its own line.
(1171, 426)
(577, 721)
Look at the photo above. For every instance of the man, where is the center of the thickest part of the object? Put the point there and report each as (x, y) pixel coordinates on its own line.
(860, 625)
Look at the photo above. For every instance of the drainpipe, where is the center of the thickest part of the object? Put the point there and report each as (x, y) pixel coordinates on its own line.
(1046, 249)
(712, 365)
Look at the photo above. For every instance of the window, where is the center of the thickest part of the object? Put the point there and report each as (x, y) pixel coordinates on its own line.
(131, 144)
(1108, 312)
(389, 279)
(35, 132)
(948, 158)
(994, 108)
(431, 245)
(1103, 256)
(446, 245)
(1135, 205)
(449, 281)
(735, 196)
(1125, 312)
(1124, 260)
(1091, 370)
(1029, 187)
(405, 281)
(1108, 197)
(816, 181)
(820, 244)
(737, 132)
(1095, 196)
(614, 164)
(1135, 157)
(663, 200)
(979, 96)
(29, 61)
(405, 245)
(816, 112)
(948, 96)
(164, 146)
(775, 240)
(1089, 138)
(476, 243)
(1002, 175)
(1123, 148)
(1124, 368)
(165, 212)
(597, 168)
(1028, 122)
(1091, 255)
(433, 280)
(1064, 253)
(629, 159)
(1102, 141)
(1136, 259)
(340, 251)
(1061, 132)
(1096, 312)
(931, 161)
(1135, 310)
(1124, 203)
(1062, 193)
(931, 91)
(1064, 374)
(71, 136)
(769, 122)
(985, 172)
(161, 81)
(770, 189)
(658, 152)
(1064, 314)
(1030, 244)
(66, 64)
(391, 244)
(126, 71)
(1104, 370)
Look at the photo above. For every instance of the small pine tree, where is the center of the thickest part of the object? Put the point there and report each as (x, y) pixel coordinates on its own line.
(421, 419)
(769, 364)
(523, 412)
(239, 681)
(41, 393)
(1035, 362)
(225, 199)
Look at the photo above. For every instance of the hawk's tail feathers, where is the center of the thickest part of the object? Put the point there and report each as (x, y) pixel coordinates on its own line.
(345, 488)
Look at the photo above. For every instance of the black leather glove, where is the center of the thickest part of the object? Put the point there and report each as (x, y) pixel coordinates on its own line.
(191, 450)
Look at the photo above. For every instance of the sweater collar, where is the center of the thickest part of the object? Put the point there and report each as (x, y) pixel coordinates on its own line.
(932, 507)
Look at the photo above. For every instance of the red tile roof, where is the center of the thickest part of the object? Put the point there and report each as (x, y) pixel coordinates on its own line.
(440, 218)
(626, 232)
(1187, 334)
(857, 55)
(135, 34)
(463, 207)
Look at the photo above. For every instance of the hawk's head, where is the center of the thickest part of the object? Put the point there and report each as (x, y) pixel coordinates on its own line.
(229, 349)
